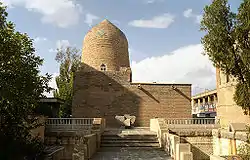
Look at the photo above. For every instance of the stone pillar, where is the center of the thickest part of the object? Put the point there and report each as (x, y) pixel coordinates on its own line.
(193, 105)
(203, 100)
(186, 156)
(215, 102)
(208, 99)
(215, 98)
(175, 140)
(182, 147)
(234, 148)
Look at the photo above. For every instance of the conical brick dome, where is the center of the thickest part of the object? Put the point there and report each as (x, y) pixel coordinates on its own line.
(106, 46)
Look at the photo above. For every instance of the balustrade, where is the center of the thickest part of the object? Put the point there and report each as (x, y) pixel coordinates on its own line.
(69, 124)
(190, 121)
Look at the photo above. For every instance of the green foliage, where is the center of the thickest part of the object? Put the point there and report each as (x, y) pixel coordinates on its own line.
(70, 62)
(20, 89)
(227, 44)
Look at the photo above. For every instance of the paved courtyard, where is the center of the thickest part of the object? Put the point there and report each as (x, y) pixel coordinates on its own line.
(130, 154)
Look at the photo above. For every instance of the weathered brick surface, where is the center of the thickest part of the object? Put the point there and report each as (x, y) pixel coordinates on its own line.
(201, 146)
(98, 94)
(110, 93)
(110, 49)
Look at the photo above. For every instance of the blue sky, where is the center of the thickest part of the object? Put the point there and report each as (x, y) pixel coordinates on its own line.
(164, 37)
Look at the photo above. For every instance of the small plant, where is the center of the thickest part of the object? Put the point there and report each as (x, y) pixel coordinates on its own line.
(244, 148)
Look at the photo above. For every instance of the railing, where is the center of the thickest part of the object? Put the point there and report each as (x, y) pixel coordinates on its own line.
(69, 124)
(189, 121)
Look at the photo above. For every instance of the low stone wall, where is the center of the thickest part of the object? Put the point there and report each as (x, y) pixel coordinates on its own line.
(53, 152)
(201, 145)
(91, 145)
(214, 157)
(170, 142)
(77, 146)
(198, 137)
(39, 131)
(226, 143)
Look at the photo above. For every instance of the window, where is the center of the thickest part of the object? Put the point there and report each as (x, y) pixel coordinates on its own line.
(103, 67)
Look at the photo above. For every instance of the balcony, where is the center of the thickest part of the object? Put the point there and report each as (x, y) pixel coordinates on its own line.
(204, 108)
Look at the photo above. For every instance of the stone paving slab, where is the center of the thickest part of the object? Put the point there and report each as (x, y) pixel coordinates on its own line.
(131, 153)
(135, 131)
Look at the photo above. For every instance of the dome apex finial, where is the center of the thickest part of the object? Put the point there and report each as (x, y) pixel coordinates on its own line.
(106, 21)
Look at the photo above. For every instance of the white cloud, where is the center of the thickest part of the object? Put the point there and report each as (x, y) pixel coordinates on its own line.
(89, 18)
(189, 14)
(184, 65)
(62, 13)
(62, 43)
(51, 50)
(162, 21)
(52, 84)
(153, 1)
(39, 39)
(198, 18)
(59, 45)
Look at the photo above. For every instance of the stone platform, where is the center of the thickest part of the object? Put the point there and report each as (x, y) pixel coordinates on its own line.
(126, 132)
(133, 153)
(130, 144)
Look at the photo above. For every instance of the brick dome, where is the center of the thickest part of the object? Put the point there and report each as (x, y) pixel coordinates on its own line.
(105, 47)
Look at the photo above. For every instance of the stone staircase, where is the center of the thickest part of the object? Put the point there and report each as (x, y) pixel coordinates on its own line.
(130, 138)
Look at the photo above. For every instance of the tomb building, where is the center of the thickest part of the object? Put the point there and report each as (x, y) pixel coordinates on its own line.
(103, 87)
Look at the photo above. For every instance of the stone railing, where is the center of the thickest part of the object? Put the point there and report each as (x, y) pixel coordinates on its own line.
(189, 121)
(53, 152)
(169, 142)
(68, 124)
(185, 138)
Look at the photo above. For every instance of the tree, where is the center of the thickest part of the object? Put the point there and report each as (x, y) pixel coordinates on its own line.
(70, 62)
(21, 87)
(227, 44)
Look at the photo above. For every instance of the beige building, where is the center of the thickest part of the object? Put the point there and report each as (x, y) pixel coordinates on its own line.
(103, 87)
(204, 104)
(227, 111)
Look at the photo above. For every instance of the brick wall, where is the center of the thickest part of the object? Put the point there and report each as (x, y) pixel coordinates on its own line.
(201, 146)
(99, 94)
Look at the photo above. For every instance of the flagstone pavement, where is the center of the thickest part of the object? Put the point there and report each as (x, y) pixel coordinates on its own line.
(131, 153)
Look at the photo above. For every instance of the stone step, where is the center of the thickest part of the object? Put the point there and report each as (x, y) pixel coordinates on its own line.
(129, 136)
(130, 145)
(128, 141)
(122, 149)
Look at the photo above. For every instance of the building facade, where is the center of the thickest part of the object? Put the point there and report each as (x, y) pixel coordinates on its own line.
(204, 104)
(103, 87)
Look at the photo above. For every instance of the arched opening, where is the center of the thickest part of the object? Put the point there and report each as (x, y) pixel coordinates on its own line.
(103, 67)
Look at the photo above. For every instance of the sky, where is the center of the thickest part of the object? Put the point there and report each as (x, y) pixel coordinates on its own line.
(163, 35)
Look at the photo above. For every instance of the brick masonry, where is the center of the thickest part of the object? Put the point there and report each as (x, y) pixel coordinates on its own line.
(99, 94)
(110, 93)
(201, 146)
